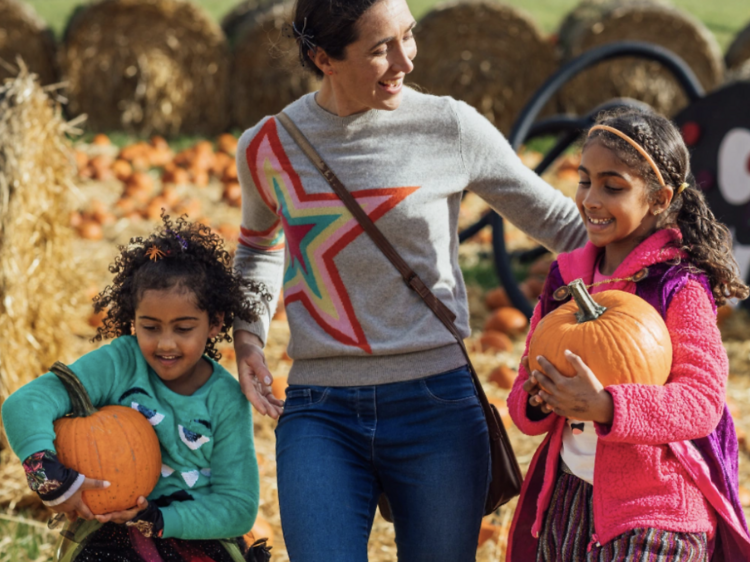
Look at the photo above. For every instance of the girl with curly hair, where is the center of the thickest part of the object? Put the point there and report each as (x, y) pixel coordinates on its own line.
(636, 471)
(174, 296)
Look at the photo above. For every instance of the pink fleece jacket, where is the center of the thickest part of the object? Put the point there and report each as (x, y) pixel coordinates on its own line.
(638, 479)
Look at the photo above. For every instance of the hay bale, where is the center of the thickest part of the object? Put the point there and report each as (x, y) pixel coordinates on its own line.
(597, 22)
(231, 22)
(37, 270)
(24, 34)
(740, 73)
(148, 67)
(266, 73)
(487, 54)
(739, 51)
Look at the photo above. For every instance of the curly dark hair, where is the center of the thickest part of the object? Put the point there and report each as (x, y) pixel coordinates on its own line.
(706, 241)
(189, 256)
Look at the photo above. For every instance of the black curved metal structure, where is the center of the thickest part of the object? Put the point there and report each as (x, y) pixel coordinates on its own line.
(568, 128)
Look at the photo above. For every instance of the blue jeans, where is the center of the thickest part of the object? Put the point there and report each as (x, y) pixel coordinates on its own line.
(422, 442)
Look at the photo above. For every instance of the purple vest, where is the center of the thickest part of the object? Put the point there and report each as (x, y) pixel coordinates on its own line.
(720, 448)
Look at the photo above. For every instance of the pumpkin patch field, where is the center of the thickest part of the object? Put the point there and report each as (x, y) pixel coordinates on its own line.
(69, 199)
(119, 191)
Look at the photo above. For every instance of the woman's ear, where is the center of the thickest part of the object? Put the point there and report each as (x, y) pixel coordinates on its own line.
(662, 200)
(321, 60)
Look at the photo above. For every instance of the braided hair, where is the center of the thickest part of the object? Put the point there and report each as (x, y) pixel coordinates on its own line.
(706, 242)
(179, 255)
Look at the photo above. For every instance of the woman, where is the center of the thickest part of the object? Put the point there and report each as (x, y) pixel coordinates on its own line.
(380, 399)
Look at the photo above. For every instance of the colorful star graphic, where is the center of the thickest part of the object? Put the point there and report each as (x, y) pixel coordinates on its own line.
(317, 227)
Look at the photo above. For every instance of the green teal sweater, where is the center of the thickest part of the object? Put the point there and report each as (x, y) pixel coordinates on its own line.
(206, 439)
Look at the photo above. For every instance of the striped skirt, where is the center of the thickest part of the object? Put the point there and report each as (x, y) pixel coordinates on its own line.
(569, 526)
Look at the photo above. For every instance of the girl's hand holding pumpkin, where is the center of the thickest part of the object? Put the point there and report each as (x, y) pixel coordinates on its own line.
(126, 515)
(74, 506)
(531, 387)
(580, 397)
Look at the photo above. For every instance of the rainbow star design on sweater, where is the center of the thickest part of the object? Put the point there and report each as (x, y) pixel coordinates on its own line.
(317, 227)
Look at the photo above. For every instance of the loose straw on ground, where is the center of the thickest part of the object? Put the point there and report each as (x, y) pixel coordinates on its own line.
(37, 272)
(24, 34)
(597, 22)
(266, 73)
(147, 67)
(487, 54)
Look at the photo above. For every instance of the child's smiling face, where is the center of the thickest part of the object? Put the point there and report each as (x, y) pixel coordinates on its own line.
(614, 203)
(172, 333)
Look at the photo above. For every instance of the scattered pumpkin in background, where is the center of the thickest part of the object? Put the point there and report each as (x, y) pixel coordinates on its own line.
(115, 443)
(626, 342)
(502, 409)
(507, 320)
(495, 298)
(488, 531)
(140, 199)
(722, 313)
(495, 341)
(278, 387)
(503, 377)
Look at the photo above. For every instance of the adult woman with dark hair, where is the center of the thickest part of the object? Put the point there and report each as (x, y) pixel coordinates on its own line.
(380, 397)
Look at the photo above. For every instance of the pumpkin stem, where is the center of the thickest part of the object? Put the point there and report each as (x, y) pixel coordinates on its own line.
(79, 398)
(588, 309)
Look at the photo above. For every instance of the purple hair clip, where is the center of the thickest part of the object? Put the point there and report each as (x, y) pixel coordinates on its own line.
(180, 239)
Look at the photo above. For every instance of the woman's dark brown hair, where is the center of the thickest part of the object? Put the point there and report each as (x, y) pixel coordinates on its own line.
(706, 242)
(327, 24)
(183, 255)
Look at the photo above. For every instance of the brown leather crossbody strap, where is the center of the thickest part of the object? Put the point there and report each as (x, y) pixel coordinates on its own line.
(445, 315)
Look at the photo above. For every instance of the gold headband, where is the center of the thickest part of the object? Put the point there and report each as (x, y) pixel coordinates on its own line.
(638, 147)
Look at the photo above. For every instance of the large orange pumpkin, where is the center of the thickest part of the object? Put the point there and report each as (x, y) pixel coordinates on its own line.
(115, 443)
(621, 337)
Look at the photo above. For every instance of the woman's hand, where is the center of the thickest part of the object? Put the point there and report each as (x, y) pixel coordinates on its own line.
(124, 516)
(581, 397)
(255, 378)
(532, 388)
(74, 506)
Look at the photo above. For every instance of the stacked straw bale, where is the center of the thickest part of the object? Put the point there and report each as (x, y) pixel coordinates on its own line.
(740, 73)
(247, 9)
(148, 67)
(24, 34)
(266, 72)
(487, 54)
(739, 51)
(596, 22)
(37, 271)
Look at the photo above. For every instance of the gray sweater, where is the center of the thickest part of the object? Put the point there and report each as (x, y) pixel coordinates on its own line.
(353, 320)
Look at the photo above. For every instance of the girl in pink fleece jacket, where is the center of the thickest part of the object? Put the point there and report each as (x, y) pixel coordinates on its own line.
(643, 472)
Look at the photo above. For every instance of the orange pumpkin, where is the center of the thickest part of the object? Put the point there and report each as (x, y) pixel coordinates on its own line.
(495, 298)
(621, 337)
(507, 320)
(495, 341)
(115, 443)
(503, 377)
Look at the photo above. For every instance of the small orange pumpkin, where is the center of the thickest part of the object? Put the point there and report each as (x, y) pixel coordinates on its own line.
(507, 320)
(495, 341)
(115, 443)
(503, 377)
(621, 337)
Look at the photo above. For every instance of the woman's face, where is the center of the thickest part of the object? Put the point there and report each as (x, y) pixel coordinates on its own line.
(371, 76)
